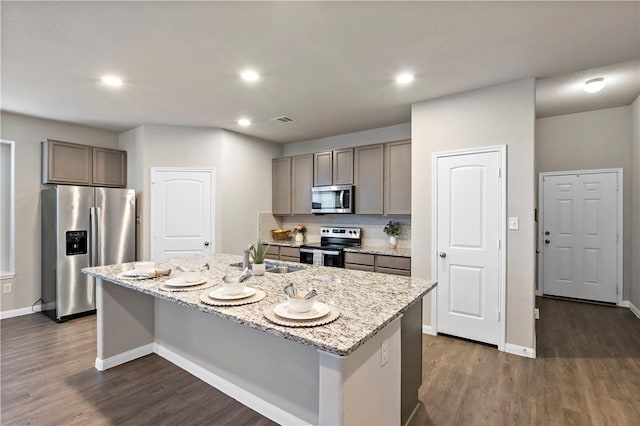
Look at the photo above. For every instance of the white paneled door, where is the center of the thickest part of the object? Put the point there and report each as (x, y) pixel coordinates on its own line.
(579, 225)
(181, 212)
(468, 245)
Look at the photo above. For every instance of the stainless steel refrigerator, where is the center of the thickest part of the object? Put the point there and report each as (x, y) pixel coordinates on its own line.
(82, 226)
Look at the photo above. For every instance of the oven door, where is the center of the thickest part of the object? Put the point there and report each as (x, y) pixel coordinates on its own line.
(333, 258)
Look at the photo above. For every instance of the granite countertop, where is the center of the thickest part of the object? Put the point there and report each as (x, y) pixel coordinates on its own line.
(367, 301)
(286, 243)
(384, 250)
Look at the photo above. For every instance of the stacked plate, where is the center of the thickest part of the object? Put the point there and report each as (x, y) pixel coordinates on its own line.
(135, 275)
(178, 284)
(218, 297)
(320, 314)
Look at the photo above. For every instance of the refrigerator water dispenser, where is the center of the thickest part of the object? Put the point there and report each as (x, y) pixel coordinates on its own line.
(76, 242)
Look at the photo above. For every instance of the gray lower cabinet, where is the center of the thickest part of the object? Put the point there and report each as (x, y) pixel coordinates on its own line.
(281, 186)
(394, 265)
(397, 178)
(75, 164)
(301, 183)
(288, 254)
(369, 178)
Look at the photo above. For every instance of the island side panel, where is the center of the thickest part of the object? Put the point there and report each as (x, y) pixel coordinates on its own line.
(358, 389)
(276, 377)
(125, 324)
(411, 332)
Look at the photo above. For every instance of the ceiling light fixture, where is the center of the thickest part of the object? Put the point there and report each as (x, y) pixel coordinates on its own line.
(111, 81)
(250, 75)
(594, 85)
(404, 78)
(244, 122)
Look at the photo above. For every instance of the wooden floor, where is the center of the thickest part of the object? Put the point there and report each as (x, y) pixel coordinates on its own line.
(587, 372)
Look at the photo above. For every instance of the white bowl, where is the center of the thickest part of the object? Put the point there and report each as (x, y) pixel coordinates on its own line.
(191, 275)
(300, 305)
(144, 267)
(231, 286)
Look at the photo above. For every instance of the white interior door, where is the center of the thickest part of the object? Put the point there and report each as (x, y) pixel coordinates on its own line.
(468, 245)
(579, 224)
(181, 212)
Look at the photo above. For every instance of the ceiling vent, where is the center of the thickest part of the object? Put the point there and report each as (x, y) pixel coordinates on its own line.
(283, 119)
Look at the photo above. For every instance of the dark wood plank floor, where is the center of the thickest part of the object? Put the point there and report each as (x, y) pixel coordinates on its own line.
(587, 372)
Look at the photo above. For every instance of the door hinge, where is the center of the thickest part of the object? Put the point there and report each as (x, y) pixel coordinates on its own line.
(617, 238)
(499, 244)
(498, 316)
(499, 172)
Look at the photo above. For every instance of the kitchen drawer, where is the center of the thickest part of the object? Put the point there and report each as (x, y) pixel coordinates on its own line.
(392, 271)
(290, 258)
(273, 251)
(393, 262)
(357, 267)
(290, 252)
(271, 256)
(359, 258)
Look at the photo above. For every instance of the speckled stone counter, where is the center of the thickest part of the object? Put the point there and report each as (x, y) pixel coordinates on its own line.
(386, 251)
(367, 301)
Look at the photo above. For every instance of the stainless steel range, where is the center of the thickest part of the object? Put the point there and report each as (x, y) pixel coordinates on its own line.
(330, 250)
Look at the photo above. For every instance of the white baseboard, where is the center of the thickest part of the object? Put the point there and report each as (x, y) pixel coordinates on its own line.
(633, 308)
(19, 312)
(624, 304)
(520, 350)
(252, 401)
(427, 329)
(121, 358)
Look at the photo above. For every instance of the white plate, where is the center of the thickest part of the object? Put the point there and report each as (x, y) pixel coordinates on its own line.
(318, 310)
(135, 274)
(179, 282)
(219, 294)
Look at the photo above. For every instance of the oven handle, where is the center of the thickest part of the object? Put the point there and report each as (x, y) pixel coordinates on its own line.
(330, 253)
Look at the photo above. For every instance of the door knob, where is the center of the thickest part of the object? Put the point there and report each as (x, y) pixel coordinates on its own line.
(206, 243)
(443, 254)
(547, 241)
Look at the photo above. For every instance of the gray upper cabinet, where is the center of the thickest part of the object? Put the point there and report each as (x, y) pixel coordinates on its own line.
(301, 183)
(109, 167)
(281, 190)
(323, 169)
(66, 163)
(369, 178)
(333, 167)
(397, 178)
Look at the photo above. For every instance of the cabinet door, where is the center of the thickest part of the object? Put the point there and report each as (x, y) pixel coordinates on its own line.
(369, 167)
(301, 183)
(322, 168)
(281, 191)
(397, 178)
(109, 167)
(66, 163)
(343, 167)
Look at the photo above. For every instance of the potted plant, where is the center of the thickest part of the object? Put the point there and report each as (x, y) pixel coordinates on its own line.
(258, 253)
(392, 229)
(299, 230)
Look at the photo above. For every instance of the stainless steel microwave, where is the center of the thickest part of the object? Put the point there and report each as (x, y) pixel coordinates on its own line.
(332, 199)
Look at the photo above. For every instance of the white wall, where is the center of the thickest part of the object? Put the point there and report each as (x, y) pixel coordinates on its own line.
(635, 203)
(27, 132)
(242, 168)
(497, 115)
(591, 140)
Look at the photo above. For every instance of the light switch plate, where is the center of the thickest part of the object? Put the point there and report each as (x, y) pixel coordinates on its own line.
(384, 352)
(7, 287)
(514, 224)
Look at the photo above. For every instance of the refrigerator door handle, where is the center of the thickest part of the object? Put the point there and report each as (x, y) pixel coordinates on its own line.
(94, 258)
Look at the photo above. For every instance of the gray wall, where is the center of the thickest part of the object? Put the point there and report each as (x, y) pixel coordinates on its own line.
(591, 140)
(242, 171)
(27, 132)
(635, 203)
(497, 115)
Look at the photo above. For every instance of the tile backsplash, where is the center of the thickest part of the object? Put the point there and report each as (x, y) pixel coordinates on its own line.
(371, 226)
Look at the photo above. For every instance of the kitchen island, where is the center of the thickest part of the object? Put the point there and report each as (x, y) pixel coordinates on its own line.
(345, 372)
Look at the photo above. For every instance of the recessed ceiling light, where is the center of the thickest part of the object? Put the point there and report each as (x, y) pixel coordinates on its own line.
(244, 122)
(594, 85)
(112, 81)
(250, 75)
(404, 78)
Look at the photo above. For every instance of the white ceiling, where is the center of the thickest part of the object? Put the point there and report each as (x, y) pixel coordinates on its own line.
(329, 65)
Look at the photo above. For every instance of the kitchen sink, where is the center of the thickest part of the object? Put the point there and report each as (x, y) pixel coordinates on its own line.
(273, 268)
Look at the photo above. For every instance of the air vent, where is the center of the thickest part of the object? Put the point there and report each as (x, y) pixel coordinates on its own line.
(283, 119)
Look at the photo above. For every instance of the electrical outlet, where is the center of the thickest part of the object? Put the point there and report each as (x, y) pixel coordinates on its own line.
(536, 313)
(514, 224)
(384, 352)
(7, 287)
